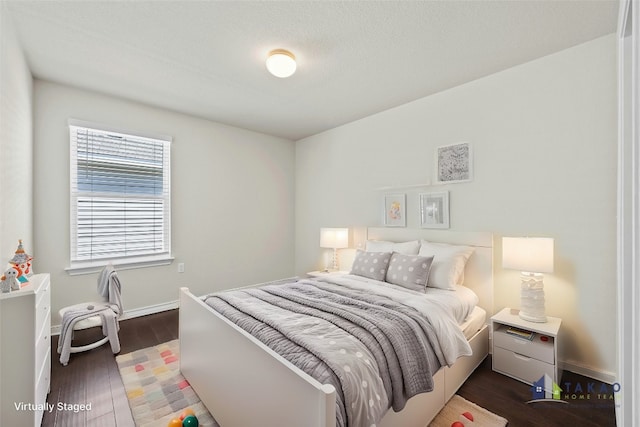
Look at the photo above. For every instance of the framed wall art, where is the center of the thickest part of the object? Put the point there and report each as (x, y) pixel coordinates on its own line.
(395, 210)
(454, 163)
(434, 210)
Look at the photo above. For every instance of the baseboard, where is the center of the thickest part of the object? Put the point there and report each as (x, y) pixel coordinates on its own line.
(136, 312)
(588, 371)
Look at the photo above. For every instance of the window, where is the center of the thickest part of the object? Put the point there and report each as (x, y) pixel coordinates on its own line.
(120, 197)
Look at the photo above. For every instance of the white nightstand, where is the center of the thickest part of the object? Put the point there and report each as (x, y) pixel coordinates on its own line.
(523, 359)
(322, 273)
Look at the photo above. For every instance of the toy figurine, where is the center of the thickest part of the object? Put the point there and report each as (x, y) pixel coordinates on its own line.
(5, 286)
(11, 279)
(21, 261)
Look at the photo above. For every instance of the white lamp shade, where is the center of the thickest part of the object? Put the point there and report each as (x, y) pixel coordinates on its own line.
(281, 63)
(335, 238)
(530, 254)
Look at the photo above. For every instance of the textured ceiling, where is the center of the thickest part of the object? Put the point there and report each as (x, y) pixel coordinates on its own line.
(355, 58)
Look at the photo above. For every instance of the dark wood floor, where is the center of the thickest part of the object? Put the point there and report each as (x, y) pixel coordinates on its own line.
(92, 377)
(507, 397)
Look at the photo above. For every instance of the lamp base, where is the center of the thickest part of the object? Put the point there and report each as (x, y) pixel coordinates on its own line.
(528, 318)
(532, 298)
(332, 265)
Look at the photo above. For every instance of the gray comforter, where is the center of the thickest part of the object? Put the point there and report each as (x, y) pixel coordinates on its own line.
(376, 351)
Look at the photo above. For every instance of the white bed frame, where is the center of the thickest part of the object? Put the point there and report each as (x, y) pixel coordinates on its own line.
(245, 383)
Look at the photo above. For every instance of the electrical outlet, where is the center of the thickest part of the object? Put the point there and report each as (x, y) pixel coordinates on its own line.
(181, 267)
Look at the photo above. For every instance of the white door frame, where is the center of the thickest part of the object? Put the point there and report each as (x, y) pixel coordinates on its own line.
(628, 277)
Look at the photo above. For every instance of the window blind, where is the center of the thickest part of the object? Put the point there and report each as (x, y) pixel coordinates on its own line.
(120, 195)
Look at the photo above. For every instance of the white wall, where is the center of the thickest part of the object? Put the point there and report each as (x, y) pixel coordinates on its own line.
(544, 140)
(16, 143)
(232, 200)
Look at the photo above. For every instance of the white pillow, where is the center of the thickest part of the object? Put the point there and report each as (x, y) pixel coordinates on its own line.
(447, 269)
(406, 248)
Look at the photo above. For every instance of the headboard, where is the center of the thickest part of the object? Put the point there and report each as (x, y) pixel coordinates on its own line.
(478, 274)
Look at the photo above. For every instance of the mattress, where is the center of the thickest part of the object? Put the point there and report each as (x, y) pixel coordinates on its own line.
(474, 322)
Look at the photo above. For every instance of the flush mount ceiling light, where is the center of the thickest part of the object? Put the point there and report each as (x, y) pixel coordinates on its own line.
(281, 63)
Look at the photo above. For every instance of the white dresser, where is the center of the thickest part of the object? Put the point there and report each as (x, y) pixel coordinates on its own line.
(25, 352)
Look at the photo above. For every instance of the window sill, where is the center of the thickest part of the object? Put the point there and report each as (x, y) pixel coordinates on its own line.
(124, 264)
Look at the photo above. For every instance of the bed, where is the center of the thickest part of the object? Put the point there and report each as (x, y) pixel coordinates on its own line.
(244, 382)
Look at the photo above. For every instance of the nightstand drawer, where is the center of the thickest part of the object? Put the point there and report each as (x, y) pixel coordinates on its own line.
(536, 348)
(524, 368)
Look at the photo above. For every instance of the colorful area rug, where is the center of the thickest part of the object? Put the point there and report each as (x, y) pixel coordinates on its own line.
(156, 389)
(457, 406)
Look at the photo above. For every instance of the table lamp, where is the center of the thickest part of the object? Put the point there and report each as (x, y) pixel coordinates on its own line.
(334, 238)
(532, 256)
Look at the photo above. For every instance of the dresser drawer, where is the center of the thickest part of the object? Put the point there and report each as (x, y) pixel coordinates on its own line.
(524, 368)
(43, 342)
(536, 348)
(42, 386)
(43, 306)
(44, 380)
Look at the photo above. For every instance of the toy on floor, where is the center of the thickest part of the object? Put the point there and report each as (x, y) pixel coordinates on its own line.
(466, 420)
(187, 419)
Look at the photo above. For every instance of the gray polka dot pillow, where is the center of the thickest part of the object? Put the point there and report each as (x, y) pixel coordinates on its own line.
(372, 265)
(409, 271)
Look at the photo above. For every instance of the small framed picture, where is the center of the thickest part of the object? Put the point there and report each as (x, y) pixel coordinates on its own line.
(455, 163)
(395, 210)
(434, 210)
